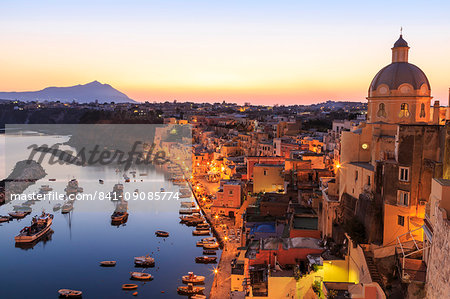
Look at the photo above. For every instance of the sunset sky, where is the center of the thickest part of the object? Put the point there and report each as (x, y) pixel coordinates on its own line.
(263, 52)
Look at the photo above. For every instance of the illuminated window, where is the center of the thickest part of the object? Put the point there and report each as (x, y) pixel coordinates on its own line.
(404, 110)
(403, 174)
(401, 220)
(403, 198)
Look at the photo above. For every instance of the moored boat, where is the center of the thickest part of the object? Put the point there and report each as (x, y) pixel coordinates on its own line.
(161, 233)
(67, 207)
(144, 261)
(5, 219)
(72, 187)
(107, 263)
(66, 293)
(18, 214)
(192, 278)
(119, 216)
(198, 296)
(45, 188)
(202, 226)
(141, 276)
(57, 207)
(129, 286)
(39, 226)
(190, 290)
(101, 181)
(200, 233)
(214, 245)
(205, 259)
(209, 252)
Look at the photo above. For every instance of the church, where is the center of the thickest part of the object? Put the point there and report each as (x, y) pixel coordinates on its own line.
(388, 162)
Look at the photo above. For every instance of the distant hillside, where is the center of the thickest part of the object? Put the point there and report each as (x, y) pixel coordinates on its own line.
(86, 93)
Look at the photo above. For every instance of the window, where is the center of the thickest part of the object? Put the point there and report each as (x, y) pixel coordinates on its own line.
(381, 110)
(401, 220)
(403, 174)
(404, 110)
(403, 198)
(265, 172)
(231, 192)
(356, 175)
(368, 180)
(422, 110)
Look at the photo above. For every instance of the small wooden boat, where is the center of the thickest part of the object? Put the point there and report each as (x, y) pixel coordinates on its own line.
(205, 259)
(202, 226)
(129, 286)
(66, 293)
(52, 180)
(107, 263)
(161, 233)
(190, 290)
(5, 218)
(162, 190)
(45, 188)
(206, 240)
(211, 245)
(200, 233)
(141, 276)
(198, 296)
(144, 261)
(101, 181)
(209, 252)
(67, 207)
(18, 214)
(119, 216)
(192, 278)
(187, 204)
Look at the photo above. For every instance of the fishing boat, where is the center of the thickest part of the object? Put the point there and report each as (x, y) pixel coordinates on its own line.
(190, 290)
(200, 233)
(18, 214)
(205, 259)
(107, 263)
(72, 187)
(206, 240)
(161, 233)
(129, 286)
(101, 181)
(191, 218)
(136, 191)
(67, 207)
(185, 211)
(192, 278)
(66, 293)
(198, 296)
(141, 276)
(39, 226)
(52, 180)
(5, 218)
(214, 245)
(117, 192)
(209, 252)
(57, 207)
(144, 261)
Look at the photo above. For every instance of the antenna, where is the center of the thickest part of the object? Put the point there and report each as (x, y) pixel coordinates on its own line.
(401, 31)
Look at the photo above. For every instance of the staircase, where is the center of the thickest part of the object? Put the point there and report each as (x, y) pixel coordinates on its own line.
(376, 277)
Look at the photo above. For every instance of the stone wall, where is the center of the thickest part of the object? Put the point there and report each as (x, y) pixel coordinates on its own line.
(438, 270)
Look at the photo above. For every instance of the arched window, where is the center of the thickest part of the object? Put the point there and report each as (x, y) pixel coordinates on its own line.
(404, 110)
(422, 110)
(381, 110)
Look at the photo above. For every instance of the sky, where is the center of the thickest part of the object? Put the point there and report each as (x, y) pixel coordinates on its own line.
(262, 52)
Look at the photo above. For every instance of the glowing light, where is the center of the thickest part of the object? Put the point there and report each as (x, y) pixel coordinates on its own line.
(216, 271)
(223, 168)
(217, 216)
(225, 238)
(338, 165)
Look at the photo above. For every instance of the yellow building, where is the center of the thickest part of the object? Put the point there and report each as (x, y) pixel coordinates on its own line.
(268, 178)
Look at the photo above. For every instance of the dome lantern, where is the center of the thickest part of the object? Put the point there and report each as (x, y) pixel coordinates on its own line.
(400, 50)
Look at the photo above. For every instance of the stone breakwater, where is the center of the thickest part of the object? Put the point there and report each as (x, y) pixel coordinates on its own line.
(24, 174)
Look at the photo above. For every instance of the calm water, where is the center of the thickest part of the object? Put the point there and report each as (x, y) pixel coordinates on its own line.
(83, 238)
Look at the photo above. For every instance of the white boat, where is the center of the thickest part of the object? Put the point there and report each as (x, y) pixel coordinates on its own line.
(39, 226)
(187, 204)
(141, 276)
(214, 245)
(192, 278)
(200, 232)
(67, 207)
(144, 261)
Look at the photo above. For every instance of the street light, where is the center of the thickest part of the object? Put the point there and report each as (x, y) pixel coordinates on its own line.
(215, 275)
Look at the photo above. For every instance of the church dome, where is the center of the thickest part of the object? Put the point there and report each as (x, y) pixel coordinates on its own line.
(400, 71)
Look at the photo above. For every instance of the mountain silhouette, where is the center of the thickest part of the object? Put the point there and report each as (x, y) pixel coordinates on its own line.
(87, 93)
